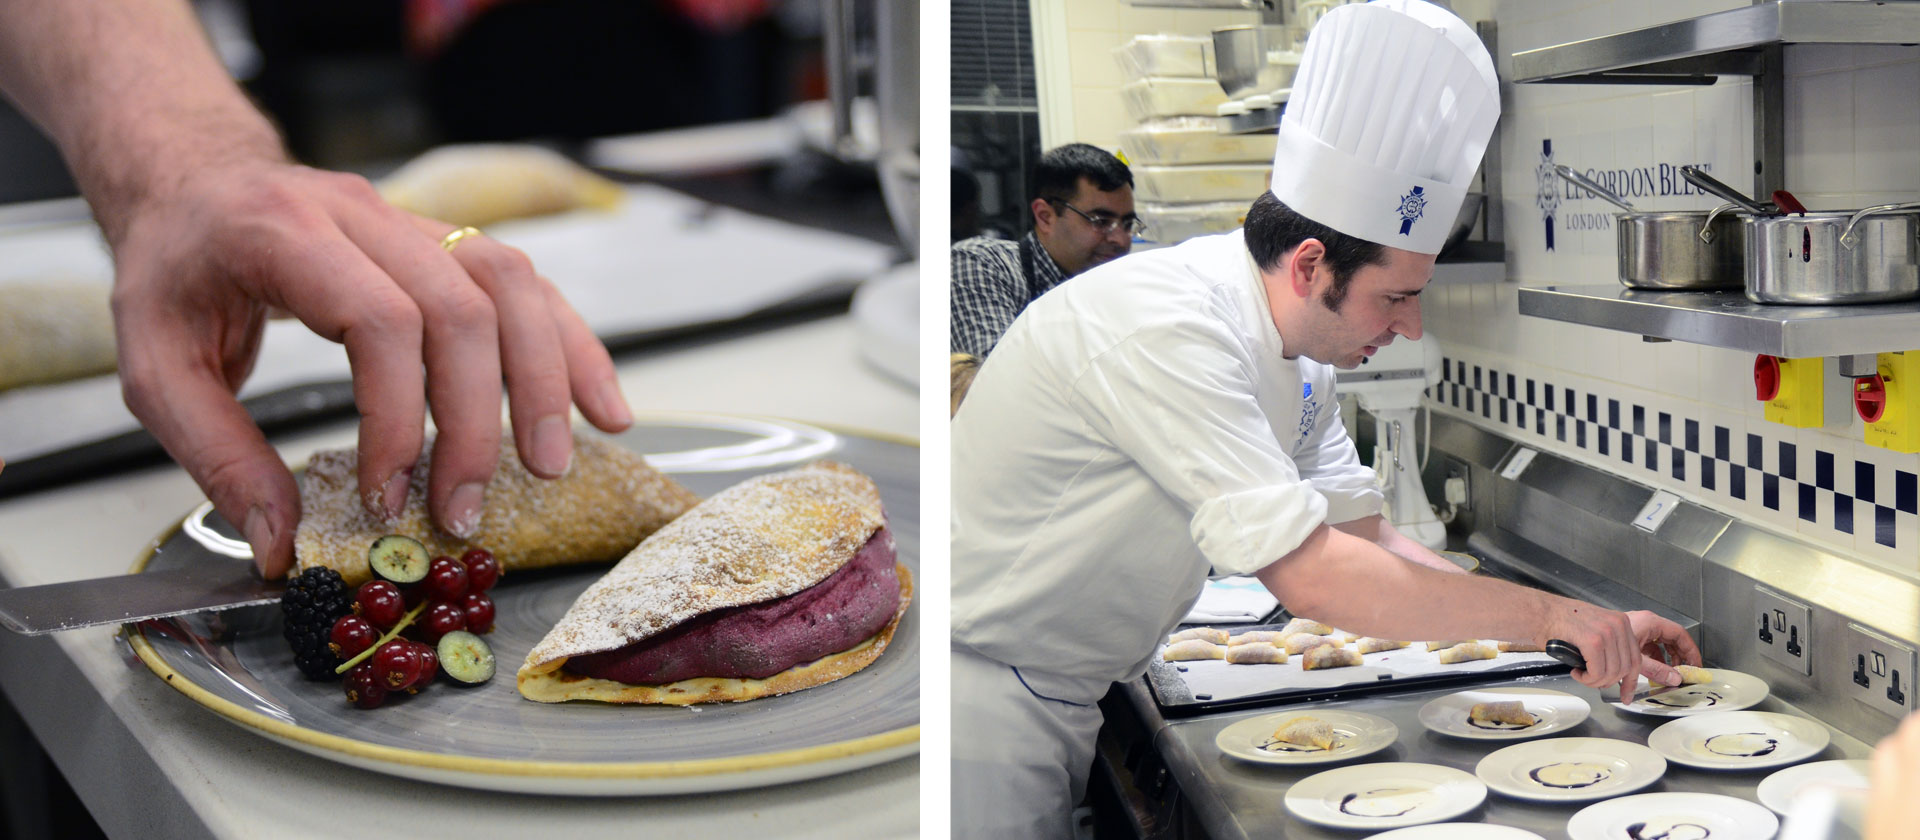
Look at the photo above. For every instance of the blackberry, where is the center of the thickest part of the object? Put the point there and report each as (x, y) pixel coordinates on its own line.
(313, 601)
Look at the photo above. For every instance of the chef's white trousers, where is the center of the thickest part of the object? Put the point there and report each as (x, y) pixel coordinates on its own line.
(1020, 761)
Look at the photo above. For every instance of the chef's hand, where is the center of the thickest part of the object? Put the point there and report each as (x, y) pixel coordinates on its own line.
(1619, 647)
(1892, 809)
(202, 258)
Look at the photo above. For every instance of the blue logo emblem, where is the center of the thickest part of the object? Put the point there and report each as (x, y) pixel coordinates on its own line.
(1306, 390)
(1412, 206)
(1309, 414)
(1548, 187)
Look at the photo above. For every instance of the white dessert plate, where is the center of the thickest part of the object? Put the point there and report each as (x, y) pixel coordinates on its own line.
(1458, 831)
(1386, 795)
(1780, 789)
(1739, 740)
(1697, 816)
(236, 664)
(1553, 711)
(1355, 734)
(1570, 769)
(1730, 691)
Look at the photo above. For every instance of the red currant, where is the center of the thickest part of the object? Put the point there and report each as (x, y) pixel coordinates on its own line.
(379, 602)
(414, 594)
(395, 663)
(479, 610)
(364, 688)
(446, 580)
(483, 571)
(440, 619)
(351, 634)
(429, 667)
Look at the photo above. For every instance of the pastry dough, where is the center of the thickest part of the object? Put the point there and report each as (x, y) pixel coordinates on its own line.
(1299, 642)
(1269, 636)
(1305, 732)
(1510, 712)
(1466, 652)
(1192, 649)
(1690, 675)
(1305, 625)
(1447, 644)
(1519, 647)
(606, 503)
(54, 332)
(762, 539)
(1205, 634)
(1256, 653)
(1329, 656)
(1372, 645)
(482, 184)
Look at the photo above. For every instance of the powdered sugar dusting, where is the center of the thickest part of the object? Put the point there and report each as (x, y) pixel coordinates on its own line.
(764, 538)
(606, 503)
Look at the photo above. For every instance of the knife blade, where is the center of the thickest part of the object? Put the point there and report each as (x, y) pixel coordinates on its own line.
(216, 584)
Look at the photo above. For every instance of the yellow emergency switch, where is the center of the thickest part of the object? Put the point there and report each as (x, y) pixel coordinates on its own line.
(1890, 402)
(1791, 390)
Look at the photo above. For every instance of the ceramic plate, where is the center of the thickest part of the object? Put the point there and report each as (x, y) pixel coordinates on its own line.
(236, 664)
(1739, 740)
(1354, 734)
(1780, 789)
(1698, 816)
(1730, 691)
(1386, 795)
(1571, 769)
(1458, 831)
(1553, 711)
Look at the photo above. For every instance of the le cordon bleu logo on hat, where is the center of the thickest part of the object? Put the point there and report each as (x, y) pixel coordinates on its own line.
(1392, 109)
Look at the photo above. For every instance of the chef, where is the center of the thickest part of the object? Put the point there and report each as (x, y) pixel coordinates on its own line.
(1173, 411)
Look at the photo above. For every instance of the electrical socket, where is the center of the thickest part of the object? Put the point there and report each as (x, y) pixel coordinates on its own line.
(1783, 629)
(1882, 671)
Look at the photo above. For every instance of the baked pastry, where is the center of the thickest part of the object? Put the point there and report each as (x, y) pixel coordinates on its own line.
(1269, 636)
(1343, 638)
(485, 183)
(1205, 634)
(608, 501)
(1690, 675)
(1256, 653)
(1508, 712)
(1329, 656)
(1466, 652)
(1193, 649)
(1299, 642)
(1305, 625)
(1518, 647)
(1305, 733)
(778, 583)
(53, 332)
(1447, 644)
(1369, 644)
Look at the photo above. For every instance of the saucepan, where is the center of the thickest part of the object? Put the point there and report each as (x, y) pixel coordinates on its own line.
(1839, 257)
(1683, 250)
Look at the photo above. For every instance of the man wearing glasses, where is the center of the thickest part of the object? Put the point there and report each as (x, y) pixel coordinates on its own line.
(1082, 217)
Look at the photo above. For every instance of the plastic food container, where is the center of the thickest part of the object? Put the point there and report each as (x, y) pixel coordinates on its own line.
(1171, 224)
(1189, 56)
(1159, 96)
(1192, 140)
(1205, 182)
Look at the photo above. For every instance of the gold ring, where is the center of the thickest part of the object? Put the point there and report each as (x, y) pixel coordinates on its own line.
(454, 238)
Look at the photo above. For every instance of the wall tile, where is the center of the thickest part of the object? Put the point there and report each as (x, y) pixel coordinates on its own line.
(1092, 63)
(1886, 105)
(1820, 114)
(1093, 14)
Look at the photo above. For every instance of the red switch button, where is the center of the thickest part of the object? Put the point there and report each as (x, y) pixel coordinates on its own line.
(1766, 378)
(1870, 398)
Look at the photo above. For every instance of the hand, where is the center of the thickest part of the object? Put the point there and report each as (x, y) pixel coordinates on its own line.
(1892, 809)
(1619, 647)
(1663, 644)
(200, 260)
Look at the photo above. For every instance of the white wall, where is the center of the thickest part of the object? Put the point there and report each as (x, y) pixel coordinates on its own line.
(1853, 114)
(1080, 97)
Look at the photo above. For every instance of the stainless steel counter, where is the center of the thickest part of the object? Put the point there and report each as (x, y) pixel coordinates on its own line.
(1237, 800)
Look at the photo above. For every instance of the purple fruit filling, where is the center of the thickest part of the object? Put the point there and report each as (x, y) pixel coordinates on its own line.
(760, 640)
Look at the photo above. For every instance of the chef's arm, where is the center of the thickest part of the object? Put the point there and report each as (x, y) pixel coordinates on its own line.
(1379, 531)
(1357, 585)
(212, 228)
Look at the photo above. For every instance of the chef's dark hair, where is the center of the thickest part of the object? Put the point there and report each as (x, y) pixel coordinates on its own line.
(1272, 229)
(1056, 177)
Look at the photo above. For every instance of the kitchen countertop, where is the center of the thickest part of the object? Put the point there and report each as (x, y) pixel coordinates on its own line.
(1237, 800)
(149, 762)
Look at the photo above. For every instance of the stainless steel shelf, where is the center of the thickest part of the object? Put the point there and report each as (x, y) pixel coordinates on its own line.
(1263, 121)
(1733, 42)
(1729, 320)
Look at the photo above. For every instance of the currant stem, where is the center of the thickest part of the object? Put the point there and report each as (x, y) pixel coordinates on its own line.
(390, 635)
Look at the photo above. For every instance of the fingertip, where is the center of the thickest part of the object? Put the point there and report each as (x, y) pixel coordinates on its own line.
(614, 414)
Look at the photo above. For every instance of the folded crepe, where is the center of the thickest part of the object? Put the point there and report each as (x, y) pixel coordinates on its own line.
(779, 583)
(608, 501)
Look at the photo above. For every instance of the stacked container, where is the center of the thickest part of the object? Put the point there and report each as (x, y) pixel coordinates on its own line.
(1189, 179)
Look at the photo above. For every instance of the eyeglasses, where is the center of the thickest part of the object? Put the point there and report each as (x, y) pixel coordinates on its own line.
(1106, 224)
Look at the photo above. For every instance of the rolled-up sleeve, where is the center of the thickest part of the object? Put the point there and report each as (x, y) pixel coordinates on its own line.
(1178, 400)
(1330, 463)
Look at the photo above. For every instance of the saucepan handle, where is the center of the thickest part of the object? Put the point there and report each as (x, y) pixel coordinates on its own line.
(1846, 236)
(1706, 230)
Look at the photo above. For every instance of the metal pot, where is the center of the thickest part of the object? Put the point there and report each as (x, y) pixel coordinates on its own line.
(1868, 256)
(1682, 250)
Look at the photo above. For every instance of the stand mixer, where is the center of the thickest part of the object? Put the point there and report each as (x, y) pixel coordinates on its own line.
(1389, 386)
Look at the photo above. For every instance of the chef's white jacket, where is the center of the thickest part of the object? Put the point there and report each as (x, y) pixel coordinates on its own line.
(1134, 426)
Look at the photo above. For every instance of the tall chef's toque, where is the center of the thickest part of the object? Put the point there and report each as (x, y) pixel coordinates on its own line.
(1392, 108)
